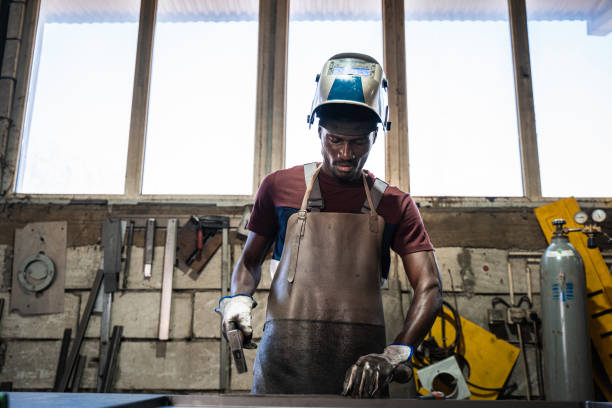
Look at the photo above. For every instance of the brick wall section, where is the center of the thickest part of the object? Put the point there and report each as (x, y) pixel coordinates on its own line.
(193, 352)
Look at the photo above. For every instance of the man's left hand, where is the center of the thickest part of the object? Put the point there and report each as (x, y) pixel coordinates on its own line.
(371, 373)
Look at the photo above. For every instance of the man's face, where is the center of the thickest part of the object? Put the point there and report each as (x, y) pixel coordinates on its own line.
(344, 156)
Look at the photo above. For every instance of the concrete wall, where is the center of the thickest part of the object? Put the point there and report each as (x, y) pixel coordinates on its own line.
(471, 276)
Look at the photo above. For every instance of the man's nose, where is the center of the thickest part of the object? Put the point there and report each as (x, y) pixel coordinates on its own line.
(346, 151)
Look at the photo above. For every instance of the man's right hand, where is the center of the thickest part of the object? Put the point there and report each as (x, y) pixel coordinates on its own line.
(236, 314)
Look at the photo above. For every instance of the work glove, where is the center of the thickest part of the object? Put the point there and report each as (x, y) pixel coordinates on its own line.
(235, 312)
(372, 372)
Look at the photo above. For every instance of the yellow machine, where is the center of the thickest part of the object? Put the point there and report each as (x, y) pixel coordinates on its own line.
(477, 348)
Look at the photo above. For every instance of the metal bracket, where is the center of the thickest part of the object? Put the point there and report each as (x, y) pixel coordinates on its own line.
(436, 373)
(39, 267)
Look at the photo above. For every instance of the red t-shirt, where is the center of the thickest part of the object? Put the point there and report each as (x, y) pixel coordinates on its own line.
(280, 195)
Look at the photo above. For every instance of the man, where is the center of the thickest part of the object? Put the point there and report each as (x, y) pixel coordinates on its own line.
(332, 226)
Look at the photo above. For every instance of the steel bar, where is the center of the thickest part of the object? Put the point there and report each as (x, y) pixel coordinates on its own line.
(128, 253)
(111, 360)
(149, 248)
(80, 335)
(224, 367)
(166, 295)
(61, 364)
(78, 374)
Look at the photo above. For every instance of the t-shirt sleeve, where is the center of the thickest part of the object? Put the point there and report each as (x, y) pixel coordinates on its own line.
(263, 217)
(410, 235)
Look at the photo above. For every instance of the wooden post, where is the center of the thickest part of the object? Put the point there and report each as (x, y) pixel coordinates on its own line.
(397, 169)
(530, 163)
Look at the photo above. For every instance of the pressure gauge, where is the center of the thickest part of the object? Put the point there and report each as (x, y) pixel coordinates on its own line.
(581, 217)
(598, 215)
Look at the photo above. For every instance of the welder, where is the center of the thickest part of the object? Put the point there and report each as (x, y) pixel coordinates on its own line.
(332, 225)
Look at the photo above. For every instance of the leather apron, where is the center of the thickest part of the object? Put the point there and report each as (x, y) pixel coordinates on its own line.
(325, 306)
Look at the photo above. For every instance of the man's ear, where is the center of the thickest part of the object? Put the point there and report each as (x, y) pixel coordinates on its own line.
(320, 130)
(374, 136)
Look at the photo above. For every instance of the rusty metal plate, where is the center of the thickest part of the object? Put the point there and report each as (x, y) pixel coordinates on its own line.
(49, 239)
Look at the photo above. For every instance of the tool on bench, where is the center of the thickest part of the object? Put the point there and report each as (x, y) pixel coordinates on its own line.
(149, 245)
(198, 241)
(235, 339)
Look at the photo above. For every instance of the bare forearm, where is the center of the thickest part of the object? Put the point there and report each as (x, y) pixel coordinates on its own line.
(424, 276)
(247, 273)
(423, 310)
(245, 278)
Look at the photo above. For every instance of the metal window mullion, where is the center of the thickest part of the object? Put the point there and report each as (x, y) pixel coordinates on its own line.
(394, 45)
(530, 163)
(140, 99)
(271, 88)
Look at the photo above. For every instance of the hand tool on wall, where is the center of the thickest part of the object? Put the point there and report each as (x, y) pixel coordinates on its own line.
(112, 243)
(198, 241)
(166, 295)
(128, 253)
(148, 249)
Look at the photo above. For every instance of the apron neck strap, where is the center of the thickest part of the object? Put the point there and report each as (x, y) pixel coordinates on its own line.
(368, 195)
(309, 187)
(312, 183)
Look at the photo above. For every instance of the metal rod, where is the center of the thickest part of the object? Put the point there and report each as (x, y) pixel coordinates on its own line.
(111, 362)
(529, 289)
(78, 375)
(82, 328)
(61, 364)
(224, 373)
(166, 295)
(510, 284)
(525, 372)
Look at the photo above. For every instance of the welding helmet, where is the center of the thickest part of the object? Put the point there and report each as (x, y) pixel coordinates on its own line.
(355, 82)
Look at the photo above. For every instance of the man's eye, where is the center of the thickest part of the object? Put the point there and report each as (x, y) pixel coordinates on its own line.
(334, 139)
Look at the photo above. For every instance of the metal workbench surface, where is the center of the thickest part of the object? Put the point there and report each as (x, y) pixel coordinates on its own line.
(70, 400)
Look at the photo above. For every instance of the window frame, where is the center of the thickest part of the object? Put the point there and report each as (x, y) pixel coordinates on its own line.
(269, 134)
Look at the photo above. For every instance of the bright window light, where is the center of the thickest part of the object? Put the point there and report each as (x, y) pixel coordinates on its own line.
(571, 62)
(318, 30)
(462, 125)
(76, 129)
(201, 121)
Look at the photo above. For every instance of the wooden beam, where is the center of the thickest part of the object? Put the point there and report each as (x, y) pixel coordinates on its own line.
(271, 88)
(140, 99)
(20, 97)
(397, 169)
(524, 100)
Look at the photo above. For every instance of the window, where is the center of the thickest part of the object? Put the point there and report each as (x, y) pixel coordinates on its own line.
(571, 61)
(462, 125)
(78, 110)
(201, 121)
(316, 32)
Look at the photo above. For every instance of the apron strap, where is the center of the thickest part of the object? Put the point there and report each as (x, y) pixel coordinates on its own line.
(315, 201)
(377, 191)
(373, 215)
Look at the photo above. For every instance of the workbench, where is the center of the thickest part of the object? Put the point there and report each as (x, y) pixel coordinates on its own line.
(70, 400)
